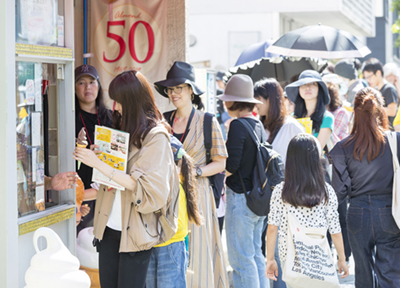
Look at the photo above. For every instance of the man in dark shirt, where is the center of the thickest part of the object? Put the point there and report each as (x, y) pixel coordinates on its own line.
(373, 72)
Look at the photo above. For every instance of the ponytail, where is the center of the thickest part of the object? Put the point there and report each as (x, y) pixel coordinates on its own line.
(370, 124)
(189, 186)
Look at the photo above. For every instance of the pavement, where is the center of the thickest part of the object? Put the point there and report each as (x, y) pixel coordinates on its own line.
(347, 282)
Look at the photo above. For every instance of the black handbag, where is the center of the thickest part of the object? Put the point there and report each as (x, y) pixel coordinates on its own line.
(217, 180)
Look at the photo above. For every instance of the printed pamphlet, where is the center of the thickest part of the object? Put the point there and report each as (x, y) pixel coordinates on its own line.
(114, 145)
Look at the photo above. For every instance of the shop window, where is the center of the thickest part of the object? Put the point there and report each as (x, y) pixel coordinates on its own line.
(36, 132)
(40, 22)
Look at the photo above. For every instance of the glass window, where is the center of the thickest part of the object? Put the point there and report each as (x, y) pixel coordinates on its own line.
(38, 22)
(36, 138)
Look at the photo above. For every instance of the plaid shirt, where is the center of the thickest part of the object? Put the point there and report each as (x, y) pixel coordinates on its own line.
(341, 125)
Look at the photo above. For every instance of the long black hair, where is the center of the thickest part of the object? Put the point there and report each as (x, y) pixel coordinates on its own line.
(189, 183)
(300, 109)
(271, 89)
(304, 176)
(102, 111)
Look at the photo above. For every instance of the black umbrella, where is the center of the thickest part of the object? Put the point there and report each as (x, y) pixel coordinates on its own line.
(319, 41)
(280, 68)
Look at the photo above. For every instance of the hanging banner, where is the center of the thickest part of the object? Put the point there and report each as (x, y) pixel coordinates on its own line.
(126, 35)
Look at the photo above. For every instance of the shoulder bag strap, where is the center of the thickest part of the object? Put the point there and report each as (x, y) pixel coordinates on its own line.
(207, 130)
(392, 139)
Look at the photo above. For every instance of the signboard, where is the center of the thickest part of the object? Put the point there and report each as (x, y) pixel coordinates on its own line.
(126, 35)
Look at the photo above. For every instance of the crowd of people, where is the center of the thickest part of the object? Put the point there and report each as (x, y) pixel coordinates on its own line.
(338, 177)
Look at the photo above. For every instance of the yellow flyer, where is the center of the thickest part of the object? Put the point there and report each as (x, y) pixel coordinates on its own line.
(114, 145)
(307, 123)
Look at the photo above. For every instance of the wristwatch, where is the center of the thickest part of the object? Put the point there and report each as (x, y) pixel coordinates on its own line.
(198, 171)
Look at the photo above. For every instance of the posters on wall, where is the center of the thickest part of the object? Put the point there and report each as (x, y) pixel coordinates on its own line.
(126, 35)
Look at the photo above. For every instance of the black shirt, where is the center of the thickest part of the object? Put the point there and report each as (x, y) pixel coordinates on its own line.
(85, 172)
(390, 95)
(241, 154)
(352, 178)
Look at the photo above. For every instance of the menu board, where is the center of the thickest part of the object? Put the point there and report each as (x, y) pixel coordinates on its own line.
(37, 22)
(114, 145)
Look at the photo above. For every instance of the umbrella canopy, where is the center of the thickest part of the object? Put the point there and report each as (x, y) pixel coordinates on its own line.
(255, 52)
(319, 41)
(280, 68)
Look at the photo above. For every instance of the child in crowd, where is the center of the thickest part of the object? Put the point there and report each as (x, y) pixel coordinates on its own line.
(307, 196)
(168, 261)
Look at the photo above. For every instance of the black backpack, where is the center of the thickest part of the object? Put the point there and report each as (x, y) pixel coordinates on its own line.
(267, 173)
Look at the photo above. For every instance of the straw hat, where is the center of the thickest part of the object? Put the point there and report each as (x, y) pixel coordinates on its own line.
(239, 89)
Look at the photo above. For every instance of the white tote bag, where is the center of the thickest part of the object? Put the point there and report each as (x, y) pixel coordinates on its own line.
(392, 137)
(309, 260)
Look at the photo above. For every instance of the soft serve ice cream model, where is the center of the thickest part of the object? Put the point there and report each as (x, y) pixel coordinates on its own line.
(55, 266)
(88, 256)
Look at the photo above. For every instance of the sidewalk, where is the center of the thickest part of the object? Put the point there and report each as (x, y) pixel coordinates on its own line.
(347, 282)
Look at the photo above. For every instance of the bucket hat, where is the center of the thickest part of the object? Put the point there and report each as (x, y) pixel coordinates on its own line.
(86, 70)
(239, 89)
(307, 76)
(180, 73)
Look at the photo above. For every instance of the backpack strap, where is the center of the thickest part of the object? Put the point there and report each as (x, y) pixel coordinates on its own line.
(252, 132)
(256, 140)
(207, 130)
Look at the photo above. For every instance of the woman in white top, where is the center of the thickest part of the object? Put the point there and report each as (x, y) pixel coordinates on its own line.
(279, 127)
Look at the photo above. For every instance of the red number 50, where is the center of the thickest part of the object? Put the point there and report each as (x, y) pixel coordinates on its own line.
(131, 41)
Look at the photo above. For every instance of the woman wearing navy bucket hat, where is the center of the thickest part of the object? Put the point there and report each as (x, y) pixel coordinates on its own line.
(206, 265)
(310, 96)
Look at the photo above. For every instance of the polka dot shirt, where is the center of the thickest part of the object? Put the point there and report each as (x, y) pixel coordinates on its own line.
(320, 216)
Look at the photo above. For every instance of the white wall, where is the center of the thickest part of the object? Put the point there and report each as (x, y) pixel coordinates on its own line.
(8, 169)
(212, 34)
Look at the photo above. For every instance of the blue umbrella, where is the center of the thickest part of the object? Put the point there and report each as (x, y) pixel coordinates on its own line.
(255, 52)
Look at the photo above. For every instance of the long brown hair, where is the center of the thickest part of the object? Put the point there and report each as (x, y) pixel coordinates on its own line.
(370, 123)
(139, 111)
(189, 182)
(272, 90)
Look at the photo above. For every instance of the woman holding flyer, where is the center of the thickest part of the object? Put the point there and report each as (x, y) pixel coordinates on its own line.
(90, 111)
(125, 226)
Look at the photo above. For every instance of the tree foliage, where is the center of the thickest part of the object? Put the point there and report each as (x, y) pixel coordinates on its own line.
(396, 23)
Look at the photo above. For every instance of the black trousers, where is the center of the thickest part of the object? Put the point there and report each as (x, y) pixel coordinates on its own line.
(121, 270)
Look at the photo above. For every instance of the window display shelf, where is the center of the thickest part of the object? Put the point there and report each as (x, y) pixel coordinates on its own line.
(43, 51)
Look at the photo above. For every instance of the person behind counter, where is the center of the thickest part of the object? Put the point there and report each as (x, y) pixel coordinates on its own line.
(89, 111)
(125, 225)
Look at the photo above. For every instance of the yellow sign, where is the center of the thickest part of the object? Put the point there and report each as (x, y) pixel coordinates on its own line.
(307, 123)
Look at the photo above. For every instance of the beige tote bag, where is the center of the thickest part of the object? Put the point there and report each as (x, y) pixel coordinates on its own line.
(392, 137)
(309, 260)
